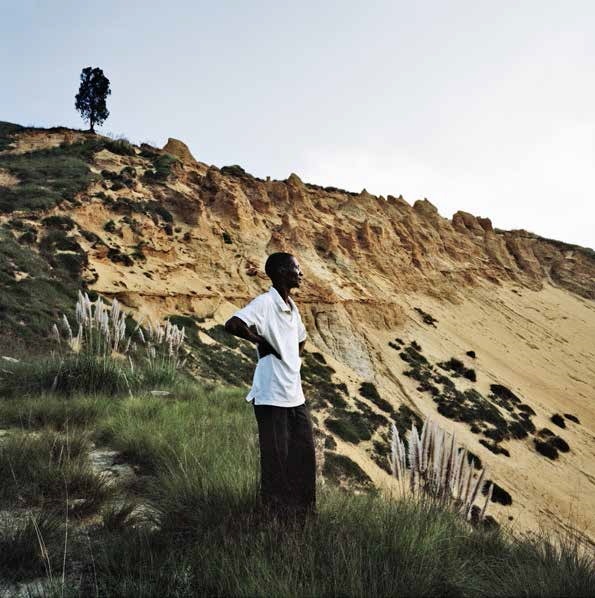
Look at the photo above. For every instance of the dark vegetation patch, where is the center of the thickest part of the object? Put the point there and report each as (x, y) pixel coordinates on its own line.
(330, 189)
(121, 147)
(349, 425)
(319, 357)
(340, 468)
(471, 354)
(227, 238)
(7, 130)
(368, 390)
(118, 257)
(47, 177)
(474, 460)
(558, 420)
(320, 389)
(481, 414)
(572, 418)
(426, 317)
(374, 420)
(329, 442)
(236, 171)
(162, 167)
(405, 418)
(380, 453)
(494, 447)
(110, 227)
(505, 398)
(60, 222)
(499, 495)
(150, 207)
(560, 444)
(29, 307)
(546, 449)
(216, 361)
(459, 368)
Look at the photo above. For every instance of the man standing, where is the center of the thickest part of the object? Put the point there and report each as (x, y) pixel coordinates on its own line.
(287, 454)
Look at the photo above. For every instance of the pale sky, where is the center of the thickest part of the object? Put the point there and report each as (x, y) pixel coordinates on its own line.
(487, 107)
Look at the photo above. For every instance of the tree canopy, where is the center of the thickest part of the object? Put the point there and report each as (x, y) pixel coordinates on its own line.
(90, 101)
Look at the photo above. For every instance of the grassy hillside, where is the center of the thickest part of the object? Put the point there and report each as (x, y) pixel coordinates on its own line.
(151, 490)
(123, 474)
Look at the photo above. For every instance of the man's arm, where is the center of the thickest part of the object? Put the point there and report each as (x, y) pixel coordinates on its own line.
(238, 327)
(301, 346)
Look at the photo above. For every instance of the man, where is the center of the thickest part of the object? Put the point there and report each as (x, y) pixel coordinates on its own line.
(287, 454)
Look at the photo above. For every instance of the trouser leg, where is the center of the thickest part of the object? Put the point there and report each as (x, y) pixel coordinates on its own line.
(301, 461)
(273, 440)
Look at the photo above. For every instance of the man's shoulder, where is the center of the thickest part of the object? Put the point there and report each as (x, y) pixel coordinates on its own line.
(261, 300)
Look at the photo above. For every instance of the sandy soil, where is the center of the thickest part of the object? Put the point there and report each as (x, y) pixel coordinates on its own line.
(541, 345)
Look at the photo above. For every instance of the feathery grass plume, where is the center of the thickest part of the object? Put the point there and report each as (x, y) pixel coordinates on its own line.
(437, 468)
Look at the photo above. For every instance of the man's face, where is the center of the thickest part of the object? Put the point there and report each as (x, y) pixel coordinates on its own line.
(291, 273)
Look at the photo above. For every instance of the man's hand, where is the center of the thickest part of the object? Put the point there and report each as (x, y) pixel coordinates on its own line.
(238, 327)
(264, 347)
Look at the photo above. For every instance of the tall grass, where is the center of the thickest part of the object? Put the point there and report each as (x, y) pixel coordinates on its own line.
(199, 459)
(49, 468)
(435, 466)
(100, 358)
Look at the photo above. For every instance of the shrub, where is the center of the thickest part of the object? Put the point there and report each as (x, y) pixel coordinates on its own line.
(560, 444)
(426, 317)
(116, 256)
(226, 238)
(47, 177)
(471, 354)
(504, 393)
(62, 222)
(122, 147)
(546, 449)
(369, 391)
(234, 170)
(7, 131)
(499, 495)
(558, 420)
(340, 467)
(110, 226)
(572, 418)
(162, 164)
(470, 374)
(349, 426)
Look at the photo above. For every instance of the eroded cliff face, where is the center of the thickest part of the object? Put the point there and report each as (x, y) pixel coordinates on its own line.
(182, 237)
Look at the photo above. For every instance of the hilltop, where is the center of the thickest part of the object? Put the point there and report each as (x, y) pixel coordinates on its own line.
(408, 313)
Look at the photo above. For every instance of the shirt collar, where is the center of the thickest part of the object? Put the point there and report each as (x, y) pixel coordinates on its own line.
(280, 302)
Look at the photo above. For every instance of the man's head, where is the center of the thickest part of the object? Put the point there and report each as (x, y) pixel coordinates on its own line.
(283, 269)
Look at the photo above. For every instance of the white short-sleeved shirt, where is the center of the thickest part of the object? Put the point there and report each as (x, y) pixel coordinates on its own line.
(276, 381)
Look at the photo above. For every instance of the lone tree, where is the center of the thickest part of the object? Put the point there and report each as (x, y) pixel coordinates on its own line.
(90, 100)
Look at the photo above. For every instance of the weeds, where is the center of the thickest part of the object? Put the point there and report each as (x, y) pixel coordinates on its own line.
(435, 466)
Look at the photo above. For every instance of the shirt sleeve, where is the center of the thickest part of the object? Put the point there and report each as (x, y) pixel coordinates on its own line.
(254, 313)
(301, 331)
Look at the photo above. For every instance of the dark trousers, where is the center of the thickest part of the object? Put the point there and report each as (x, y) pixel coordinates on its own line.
(287, 461)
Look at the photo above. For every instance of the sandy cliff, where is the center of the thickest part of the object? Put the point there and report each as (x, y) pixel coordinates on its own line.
(376, 269)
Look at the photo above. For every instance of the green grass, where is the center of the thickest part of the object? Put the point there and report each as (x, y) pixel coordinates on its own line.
(30, 306)
(83, 373)
(47, 177)
(7, 130)
(198, 452)
(20, 548)
(47, 469)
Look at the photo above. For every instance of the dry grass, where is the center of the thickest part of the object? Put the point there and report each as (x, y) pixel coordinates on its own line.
(435, 466)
